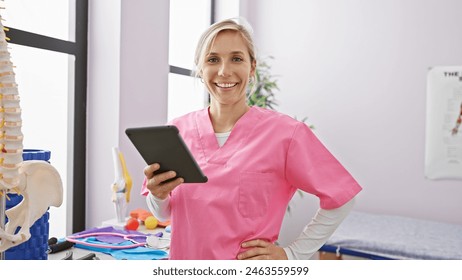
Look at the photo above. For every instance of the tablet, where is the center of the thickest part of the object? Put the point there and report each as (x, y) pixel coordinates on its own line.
(165, 146)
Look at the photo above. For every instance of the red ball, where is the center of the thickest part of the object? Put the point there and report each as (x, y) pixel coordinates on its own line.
(132, 224)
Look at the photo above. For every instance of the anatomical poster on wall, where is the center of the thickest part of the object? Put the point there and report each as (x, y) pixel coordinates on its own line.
(443, 147)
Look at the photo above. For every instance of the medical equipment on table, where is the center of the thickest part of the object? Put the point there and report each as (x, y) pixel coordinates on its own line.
(55, 247)
(77, 239)
(122, 244)
(158, 242)
(111, 238)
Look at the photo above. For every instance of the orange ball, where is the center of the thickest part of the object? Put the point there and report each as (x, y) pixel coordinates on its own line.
(132, 224)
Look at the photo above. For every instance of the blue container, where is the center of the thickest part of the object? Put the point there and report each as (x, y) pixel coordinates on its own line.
(36, 247)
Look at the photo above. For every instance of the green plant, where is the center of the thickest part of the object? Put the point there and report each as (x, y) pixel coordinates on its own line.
(261, 90)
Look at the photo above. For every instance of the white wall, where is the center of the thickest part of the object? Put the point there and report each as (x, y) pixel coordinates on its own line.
(357, 70)
(103, 104)
(127, 86)
(144, 78)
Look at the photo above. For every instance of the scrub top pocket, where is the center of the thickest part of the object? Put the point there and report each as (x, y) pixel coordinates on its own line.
(255, 190)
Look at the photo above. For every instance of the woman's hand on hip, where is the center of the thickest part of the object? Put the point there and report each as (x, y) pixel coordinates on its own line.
(160, 185)
(259, 249)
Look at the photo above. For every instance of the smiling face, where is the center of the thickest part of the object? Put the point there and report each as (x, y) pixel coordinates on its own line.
(226, 69)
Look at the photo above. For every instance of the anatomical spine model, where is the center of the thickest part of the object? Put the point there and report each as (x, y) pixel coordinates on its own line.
(37, 181)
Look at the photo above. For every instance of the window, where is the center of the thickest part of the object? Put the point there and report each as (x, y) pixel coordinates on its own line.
(48, 46)
(49, 18)
(188, 19)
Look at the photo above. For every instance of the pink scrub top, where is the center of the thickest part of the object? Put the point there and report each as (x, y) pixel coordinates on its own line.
(252, 177)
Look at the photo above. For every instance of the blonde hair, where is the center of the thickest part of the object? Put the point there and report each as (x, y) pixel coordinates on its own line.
(206, 40)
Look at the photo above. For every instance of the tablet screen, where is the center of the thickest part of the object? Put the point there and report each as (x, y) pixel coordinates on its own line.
(165, 146)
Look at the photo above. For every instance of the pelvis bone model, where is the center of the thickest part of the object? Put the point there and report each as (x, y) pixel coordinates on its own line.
(37, 181)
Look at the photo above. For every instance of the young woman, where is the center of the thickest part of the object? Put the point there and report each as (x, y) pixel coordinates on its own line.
(255, 160)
